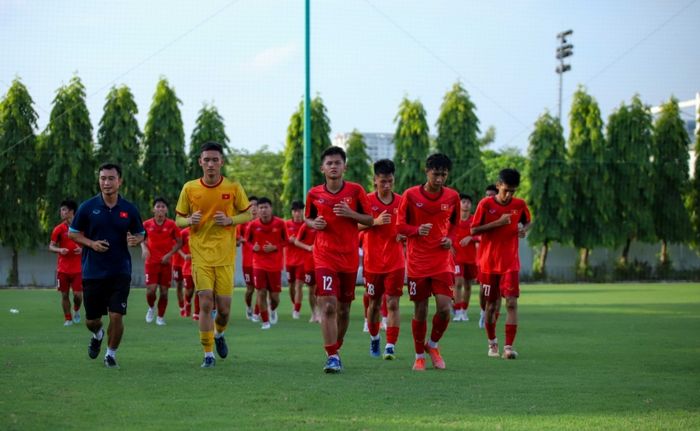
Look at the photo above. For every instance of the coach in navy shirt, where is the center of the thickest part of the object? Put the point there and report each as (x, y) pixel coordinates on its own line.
(106, 225)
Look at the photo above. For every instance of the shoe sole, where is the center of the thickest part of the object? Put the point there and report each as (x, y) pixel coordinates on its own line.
(331, 370)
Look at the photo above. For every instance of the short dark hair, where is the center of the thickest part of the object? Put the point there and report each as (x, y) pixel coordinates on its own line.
(438, 161)
(463, 196)
(491, 188)
(160, 199)
(108, 166)
(509, 176)
(70, 204)
(212, 146)
(384, 167)
(264, 200)
(297, 205)
(252, 198)
(334, 151)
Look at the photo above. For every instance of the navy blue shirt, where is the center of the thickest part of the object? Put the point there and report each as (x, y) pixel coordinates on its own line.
(98, 221)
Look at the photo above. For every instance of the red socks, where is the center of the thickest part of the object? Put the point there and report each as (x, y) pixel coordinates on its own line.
(162, 304)
(257, 309)
(511, 330)
(331, 349)
(68, 316)
(297, 306)
(392, 334)
(439, 327)
(419, 328)
(151, 299)
(490, 330)
(265, 316)
(373, 328)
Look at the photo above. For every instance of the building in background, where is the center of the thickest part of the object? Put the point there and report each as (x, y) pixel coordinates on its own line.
(379, 145)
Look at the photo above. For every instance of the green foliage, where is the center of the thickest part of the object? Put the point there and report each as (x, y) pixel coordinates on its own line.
(359, 168)
(68, 150)
(550, 194)
(591, 192)
(209, 127)
(670, 174)
(693, 201)
(292, 171)
(488, 138)
(259, 174)
(412, 144)
(164, 142)
(119, 141)
(495, 161)
(630, 141)
(458, 129)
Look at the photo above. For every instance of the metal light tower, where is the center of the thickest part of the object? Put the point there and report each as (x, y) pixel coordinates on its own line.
(307, 100)
(563, 50)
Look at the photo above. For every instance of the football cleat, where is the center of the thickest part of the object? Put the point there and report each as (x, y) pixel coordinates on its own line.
(273, 317)
(333, 365)
(110, 362)
(94, 347)
(493, 350)
(266, 325)
(419, 364)
(149, 315)
(374, 348)
(76, 317)
(160, 321)
(389, 353)
(255, 318)
(209, 362)
(295, 315)
(221, 347)
(68, 323)
(435, 357)
(509, 353)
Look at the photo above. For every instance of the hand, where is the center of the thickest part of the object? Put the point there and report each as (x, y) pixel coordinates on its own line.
(465, 241)
(400, 238)
(145, 253)
(188, 257)
(522, 232)
(77, 250)
(132, 240)
(269, 248)
(383, 218)
(166, 259)
(292, 239)
(446, 243)
(195, 218)
(63, 251)
(424, 229)
(342, 209)
(256, 247)
(504, 220)
(221, 219)
(100, 246)
(319, 223)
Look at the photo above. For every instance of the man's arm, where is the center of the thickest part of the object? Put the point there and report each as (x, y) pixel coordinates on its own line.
(99, 246)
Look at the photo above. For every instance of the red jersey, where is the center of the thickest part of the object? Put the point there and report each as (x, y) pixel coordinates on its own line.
(160, 239)
(186, 263)
(246, 248)
(426, 256)
(499, 246)
(70, 262)
(465, 254)
(294, 256)
(307, 235)
(382, 252)
(336, 245)
(275, 233)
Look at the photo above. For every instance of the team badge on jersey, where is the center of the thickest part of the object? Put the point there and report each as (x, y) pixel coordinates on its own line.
(348, 200)
(123, 214)
(445, 207)
(225, 196)
(419, 204)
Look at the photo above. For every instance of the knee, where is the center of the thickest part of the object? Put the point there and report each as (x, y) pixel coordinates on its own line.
(511, 304)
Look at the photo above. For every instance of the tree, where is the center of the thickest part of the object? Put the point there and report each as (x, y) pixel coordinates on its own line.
(694, 195)
(629, 135)
(292, 172)
(412, 144)
(359, 168)
(119, 141)
(258, 173)
(164, 141)
(19, 220)
(670, 178)
(591, 190)
(208, 127)
(549, 188)
(68, 150)
(495, 161)
(458, 129)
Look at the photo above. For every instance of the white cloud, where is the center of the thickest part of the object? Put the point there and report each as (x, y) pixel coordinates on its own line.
(270, 58)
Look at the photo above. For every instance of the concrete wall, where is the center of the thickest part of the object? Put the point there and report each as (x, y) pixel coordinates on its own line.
(38, 268)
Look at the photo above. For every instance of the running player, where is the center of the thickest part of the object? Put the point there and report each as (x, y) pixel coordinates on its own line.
(501, 220)
(305, 241)
(68, 275)
(334, 209)
(187, 281)
(247, 262)
(268, 237)
(428, 216)
(212, 206)
(491, 190)
(294, 258)
(162, 242)
(384, 265)
(464, 251)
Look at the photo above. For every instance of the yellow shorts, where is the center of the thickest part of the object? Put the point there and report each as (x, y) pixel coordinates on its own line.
(216, 278)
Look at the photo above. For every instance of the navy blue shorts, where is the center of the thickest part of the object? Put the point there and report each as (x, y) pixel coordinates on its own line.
(104, 295)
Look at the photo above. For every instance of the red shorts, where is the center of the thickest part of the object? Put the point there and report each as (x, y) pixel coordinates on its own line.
(334, 283)
(65, 282)
(295, 273)
(495, 285)
(468, 271)
(248, 276)
(270, 280)
(422, 288)
(390, 283)
(188, 281)
(177, 274)
(310, 275)
(158, 274)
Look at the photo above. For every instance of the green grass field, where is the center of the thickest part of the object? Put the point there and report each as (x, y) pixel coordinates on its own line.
(622, 356)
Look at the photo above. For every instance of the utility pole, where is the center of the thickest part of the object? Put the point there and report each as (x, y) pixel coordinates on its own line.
(307, 101)
(563, 50)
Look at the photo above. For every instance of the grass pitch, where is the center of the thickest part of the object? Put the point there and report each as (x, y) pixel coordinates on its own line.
(620, 356)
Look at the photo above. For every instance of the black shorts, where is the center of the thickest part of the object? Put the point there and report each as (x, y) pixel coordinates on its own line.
(106, 294)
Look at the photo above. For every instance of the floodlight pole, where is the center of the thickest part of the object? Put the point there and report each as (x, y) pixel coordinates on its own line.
(563, 50)
(307, 104)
